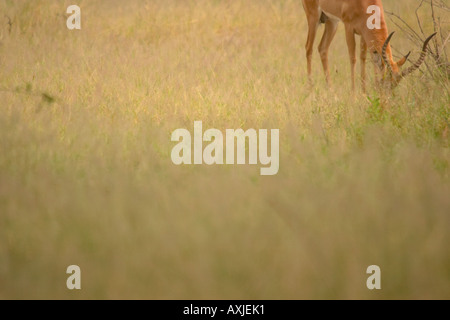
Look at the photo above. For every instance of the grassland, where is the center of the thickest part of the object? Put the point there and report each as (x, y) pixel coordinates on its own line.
(86, 176)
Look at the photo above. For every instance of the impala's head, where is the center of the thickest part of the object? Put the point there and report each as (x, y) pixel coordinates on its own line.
(393, 75)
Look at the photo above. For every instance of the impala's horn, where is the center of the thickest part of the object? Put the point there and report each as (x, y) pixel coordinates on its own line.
(383, 53)
(422, 57)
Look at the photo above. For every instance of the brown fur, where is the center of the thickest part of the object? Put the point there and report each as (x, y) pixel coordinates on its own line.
(353, 13)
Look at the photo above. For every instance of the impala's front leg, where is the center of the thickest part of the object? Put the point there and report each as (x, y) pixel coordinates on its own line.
(351, 44)
(363, 64)
(377, 67)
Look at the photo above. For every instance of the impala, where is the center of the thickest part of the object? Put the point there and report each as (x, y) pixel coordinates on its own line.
(354, 14)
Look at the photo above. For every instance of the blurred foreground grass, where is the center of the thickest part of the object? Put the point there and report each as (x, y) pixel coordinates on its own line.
(86, 176)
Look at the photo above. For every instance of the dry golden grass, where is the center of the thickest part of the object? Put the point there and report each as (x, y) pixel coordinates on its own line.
(87, 179)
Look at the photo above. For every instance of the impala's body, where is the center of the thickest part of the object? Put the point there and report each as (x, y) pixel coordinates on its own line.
(354, 14)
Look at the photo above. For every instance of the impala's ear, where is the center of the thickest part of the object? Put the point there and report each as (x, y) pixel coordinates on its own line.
(403, 60)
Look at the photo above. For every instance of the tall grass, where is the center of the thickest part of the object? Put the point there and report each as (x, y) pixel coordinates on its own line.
(86, 176)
